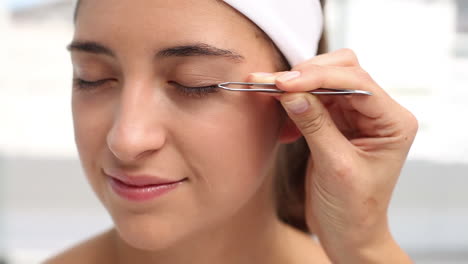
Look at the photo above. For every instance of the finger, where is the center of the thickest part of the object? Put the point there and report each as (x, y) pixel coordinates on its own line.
(354, 78)
(341, 57)
(264, 77)
(315, 124)
(343, 115)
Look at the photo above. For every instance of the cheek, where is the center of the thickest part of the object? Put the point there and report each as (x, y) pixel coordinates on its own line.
(224, 146)
(230, 148)
(90, 127)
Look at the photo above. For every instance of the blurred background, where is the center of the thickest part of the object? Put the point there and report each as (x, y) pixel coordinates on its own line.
(416, 49)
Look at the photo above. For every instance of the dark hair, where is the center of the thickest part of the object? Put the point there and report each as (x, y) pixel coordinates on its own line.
(291, 162)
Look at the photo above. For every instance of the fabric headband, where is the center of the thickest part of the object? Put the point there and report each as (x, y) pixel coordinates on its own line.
(294, 26)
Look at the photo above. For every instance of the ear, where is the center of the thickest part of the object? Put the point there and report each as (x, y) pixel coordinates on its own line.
(289, 132)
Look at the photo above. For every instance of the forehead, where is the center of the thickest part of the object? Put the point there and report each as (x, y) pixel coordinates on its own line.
(162, 19)
(149, 4)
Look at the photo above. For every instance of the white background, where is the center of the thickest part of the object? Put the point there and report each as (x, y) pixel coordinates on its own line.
(407, 46)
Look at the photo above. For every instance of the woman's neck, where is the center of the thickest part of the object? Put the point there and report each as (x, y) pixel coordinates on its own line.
(215, 246)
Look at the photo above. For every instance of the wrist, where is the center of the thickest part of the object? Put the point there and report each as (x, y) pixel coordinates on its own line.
(382, 250)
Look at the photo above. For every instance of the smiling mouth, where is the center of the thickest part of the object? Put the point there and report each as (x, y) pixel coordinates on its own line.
(142, 192)
(149, 185)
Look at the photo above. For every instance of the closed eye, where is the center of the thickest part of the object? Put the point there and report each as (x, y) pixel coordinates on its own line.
(88, 85)
(196, 92)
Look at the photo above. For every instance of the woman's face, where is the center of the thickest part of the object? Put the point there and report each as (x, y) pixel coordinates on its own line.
(133, 117)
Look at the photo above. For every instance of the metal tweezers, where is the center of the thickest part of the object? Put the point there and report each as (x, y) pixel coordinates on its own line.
(320, 91)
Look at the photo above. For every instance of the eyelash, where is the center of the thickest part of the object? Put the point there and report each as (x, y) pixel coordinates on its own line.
(196, 92)
(87, 85)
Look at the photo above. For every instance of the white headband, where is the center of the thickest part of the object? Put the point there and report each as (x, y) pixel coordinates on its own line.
(294, 26)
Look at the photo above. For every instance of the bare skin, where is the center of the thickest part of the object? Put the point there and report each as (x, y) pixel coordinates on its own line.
(296, 247)
(349, 185)
(135, 121)
(130, 116)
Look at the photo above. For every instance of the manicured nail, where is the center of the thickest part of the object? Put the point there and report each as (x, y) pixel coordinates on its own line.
(298, 105)
(289, 76)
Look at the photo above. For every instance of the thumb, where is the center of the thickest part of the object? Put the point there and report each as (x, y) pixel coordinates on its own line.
(315, 123)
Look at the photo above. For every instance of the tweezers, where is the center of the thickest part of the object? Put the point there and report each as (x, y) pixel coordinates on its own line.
(320, 91)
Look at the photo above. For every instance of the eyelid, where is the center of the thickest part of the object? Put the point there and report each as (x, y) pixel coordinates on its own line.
(198, 77)
(196, 92)
(198, 81)
(93, 82)
(90, 86)
(195, 85)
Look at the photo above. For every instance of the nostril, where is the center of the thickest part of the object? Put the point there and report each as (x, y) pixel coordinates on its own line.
(145, 154)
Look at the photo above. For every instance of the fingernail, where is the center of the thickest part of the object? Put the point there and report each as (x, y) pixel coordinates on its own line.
(262, 74)
(289, 76)
(298, 105)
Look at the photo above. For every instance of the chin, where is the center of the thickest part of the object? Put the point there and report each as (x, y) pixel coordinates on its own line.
(146, 232)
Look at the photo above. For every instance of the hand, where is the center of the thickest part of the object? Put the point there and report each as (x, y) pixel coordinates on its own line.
(358, 147)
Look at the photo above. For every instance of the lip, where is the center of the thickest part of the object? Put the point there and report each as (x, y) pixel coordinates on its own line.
(136, 180)
(139, 187)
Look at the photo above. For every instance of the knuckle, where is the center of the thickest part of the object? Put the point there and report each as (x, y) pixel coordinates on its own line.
(316, 74)
(413, 123)
(408, 127)
(309, 67)
(349, 55)
(343, 170)
(300, 67)
(362, 74)
(313, 124)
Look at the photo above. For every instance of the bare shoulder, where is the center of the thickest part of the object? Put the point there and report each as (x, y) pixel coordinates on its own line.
(97, 249)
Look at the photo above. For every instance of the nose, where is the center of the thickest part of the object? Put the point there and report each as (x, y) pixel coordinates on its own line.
(137, 130)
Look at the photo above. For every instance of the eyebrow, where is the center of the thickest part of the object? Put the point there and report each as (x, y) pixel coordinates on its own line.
(199, 49)
(189, 50)
(90, 47)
